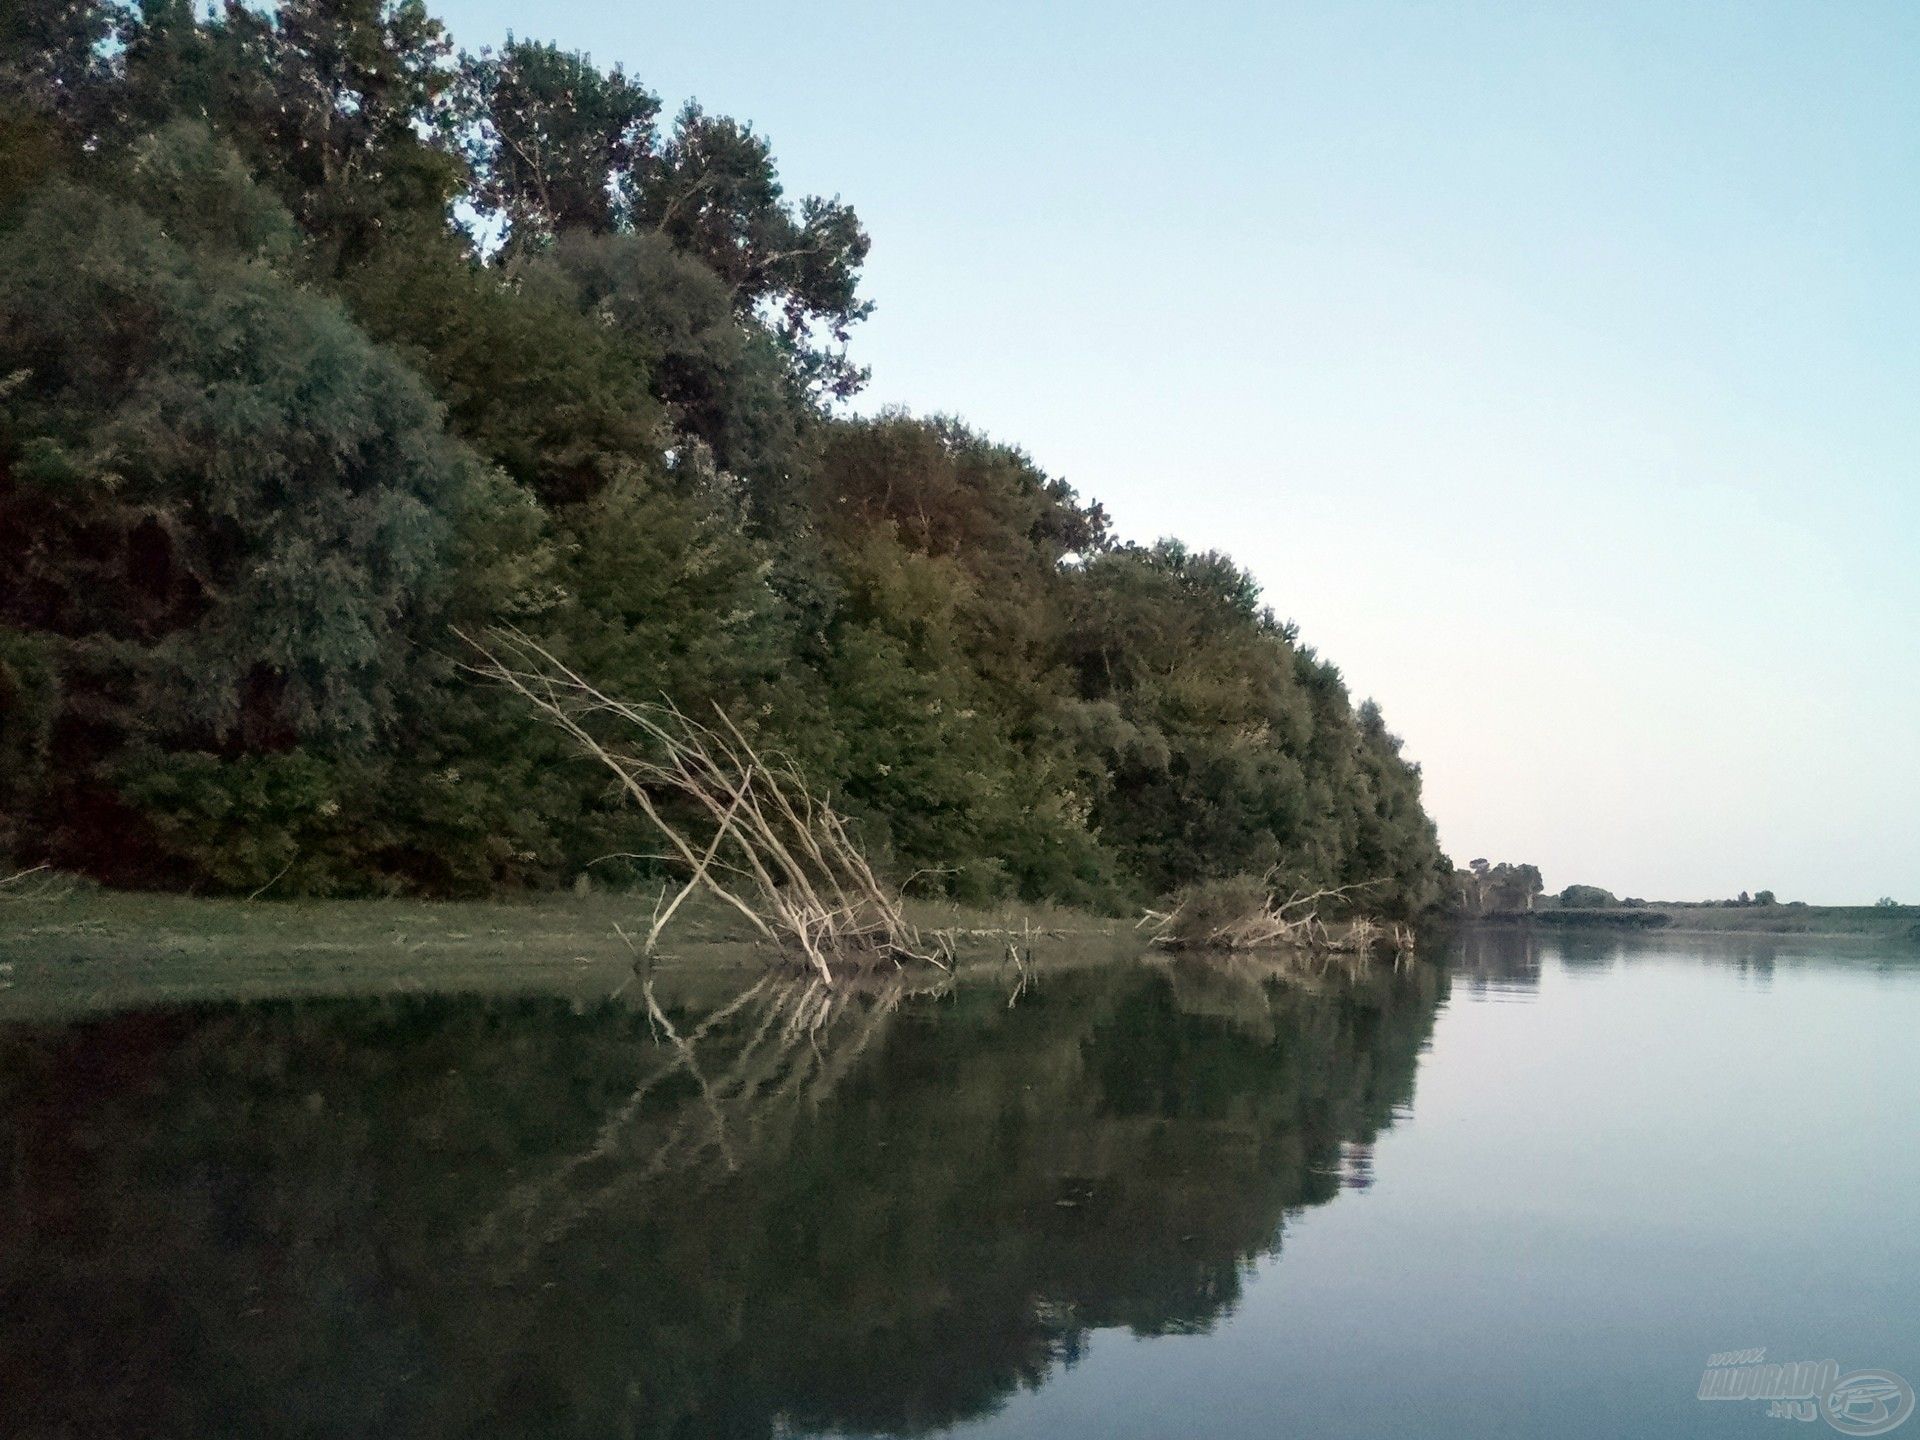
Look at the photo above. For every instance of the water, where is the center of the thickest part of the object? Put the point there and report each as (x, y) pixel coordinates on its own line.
(1524, 1194)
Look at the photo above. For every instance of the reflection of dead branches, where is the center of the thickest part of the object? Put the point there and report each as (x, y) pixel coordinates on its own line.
(1242, 987)
(743, 824)
(774, 1051)
(1023, 968)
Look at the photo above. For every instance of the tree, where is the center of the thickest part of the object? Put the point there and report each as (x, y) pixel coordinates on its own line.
(945, 652)
(314, 346)
(346, 108)
(219, 502)
(711, 188)
(1483, 888)
(553, 139)
(556, 398)
(1516, 886)
(1470, 887)
(55, 60)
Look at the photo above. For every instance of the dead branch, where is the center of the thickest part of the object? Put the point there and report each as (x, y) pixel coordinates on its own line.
(1247, 913)
(743, 824)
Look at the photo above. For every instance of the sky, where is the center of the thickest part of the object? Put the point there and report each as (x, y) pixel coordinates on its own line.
(1555, 367)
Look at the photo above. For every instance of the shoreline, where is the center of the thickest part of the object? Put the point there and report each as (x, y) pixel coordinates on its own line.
(1793, 922)
(95, 951)
(91, 951)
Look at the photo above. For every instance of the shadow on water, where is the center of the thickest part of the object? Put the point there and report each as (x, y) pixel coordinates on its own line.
(877, 1211)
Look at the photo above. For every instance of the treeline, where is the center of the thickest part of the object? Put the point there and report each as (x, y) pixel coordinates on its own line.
(319, 340)
(1505, 889)
(1483, 888)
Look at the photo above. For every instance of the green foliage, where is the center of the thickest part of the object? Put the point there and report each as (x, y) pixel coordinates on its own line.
(948, 674)
(242, 823)
(712, 189)
(674, 316)
(554, 138)
(30, 702)
(219, 488)
(317, 346)
(1199, 720)
(555, 399)
(53, 60)
(344, 107)
(221, 502)
(197, 187)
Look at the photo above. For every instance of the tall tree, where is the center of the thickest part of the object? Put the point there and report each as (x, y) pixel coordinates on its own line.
(555, 139)
(711, 187)
(346, 107)
(55, 60)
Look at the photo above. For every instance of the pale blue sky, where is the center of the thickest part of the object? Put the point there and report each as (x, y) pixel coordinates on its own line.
(1556, 367)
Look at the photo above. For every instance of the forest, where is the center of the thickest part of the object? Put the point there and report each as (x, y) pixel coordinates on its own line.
(324, 342)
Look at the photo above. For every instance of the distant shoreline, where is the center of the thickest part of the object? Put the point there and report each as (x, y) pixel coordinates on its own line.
(1827, 922)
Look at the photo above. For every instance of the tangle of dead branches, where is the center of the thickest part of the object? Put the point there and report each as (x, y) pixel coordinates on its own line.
(1247, 913)
(742, 823)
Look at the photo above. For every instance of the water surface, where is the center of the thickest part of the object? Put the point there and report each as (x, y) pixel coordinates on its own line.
(1527, 1192)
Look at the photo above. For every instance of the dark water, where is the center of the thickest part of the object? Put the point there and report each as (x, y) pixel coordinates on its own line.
(1524, 1194)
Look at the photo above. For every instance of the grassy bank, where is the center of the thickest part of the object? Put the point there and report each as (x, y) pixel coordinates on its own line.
(93, 950)
(1899, 922)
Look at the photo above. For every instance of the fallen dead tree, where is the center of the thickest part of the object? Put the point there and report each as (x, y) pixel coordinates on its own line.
(1246, 912)
(742, 823)
(17, 885)
(38, 883)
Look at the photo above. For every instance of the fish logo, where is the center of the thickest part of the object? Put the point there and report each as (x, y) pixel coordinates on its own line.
(1867, 1402)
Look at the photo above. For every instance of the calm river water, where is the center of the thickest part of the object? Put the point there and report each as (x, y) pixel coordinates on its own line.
(1527, 1192)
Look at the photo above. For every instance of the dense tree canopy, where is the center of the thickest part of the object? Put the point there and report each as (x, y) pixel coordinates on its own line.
(319, 339)
(554, 139)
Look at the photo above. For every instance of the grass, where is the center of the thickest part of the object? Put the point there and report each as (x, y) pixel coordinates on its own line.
(79, 950)
(1877, 921)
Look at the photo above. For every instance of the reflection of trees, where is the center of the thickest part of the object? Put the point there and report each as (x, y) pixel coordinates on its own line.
(1495, 958)
(801, 1036)
(443, 1216)
(1587, 950)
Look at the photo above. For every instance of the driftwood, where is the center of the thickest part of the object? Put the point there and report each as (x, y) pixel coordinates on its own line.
(16, 884)
(1247, 913)
(40, 882)
(742, 823)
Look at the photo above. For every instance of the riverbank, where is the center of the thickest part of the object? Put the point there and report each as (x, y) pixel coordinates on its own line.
(91, 951)
(1878, 922)
(95, 950)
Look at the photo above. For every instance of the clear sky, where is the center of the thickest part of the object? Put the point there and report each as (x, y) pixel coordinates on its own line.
(1555, 366)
